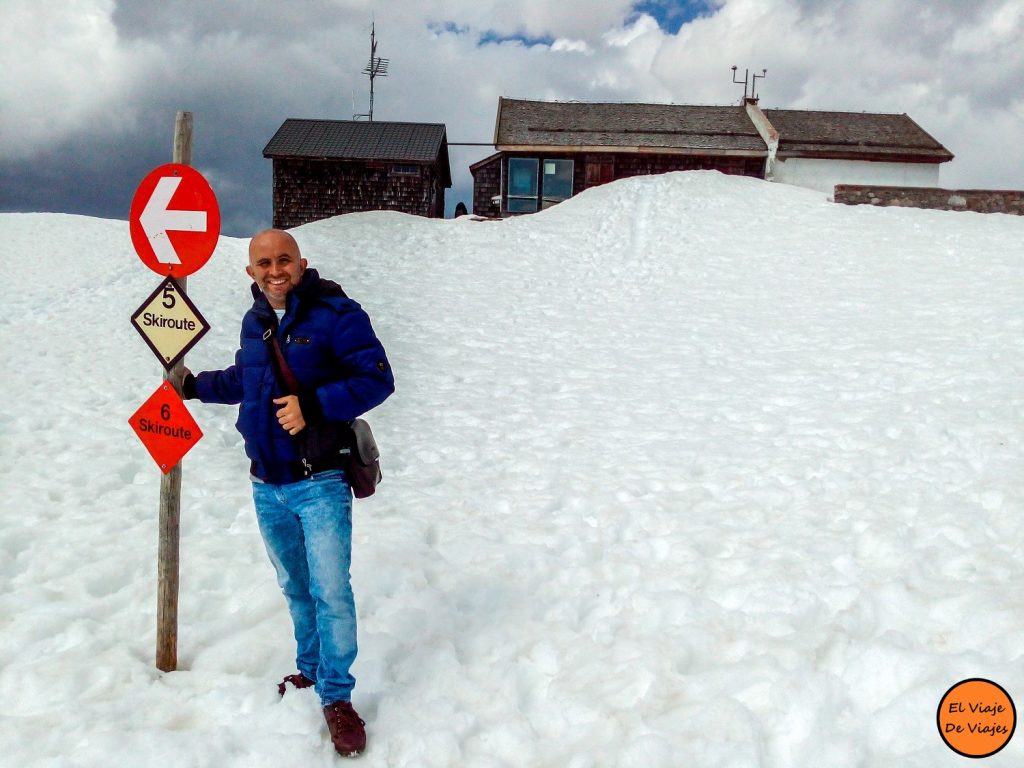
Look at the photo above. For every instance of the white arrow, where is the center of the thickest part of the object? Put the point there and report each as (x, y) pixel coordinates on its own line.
(157, 221)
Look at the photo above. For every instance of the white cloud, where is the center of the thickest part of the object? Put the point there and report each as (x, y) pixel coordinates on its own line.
(64, 72)
(1005, 25)
(564, 44)
(630, 34)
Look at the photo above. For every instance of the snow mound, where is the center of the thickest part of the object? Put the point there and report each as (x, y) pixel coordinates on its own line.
(687, 469)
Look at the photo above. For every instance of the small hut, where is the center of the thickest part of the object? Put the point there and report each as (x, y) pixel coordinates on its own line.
(325, 168)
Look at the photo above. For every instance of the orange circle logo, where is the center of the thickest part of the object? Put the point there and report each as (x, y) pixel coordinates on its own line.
(976, 718)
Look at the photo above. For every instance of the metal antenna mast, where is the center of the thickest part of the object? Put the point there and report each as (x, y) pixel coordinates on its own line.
(746, 80)
(377, 67)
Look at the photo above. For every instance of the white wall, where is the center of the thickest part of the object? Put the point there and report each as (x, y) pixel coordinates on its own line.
(823, 175)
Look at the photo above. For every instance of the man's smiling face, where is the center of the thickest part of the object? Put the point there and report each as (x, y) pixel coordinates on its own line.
(275, 264)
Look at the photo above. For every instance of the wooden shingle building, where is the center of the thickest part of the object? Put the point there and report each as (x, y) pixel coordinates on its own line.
(324, 168)
(550, 151)
(819, 149)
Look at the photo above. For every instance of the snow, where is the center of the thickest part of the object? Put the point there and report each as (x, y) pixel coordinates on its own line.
(688, 470)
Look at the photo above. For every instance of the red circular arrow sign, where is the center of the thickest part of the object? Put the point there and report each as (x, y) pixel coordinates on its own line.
(174, 220)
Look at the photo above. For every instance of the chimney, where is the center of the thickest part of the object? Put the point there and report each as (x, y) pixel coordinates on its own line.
(767, 131)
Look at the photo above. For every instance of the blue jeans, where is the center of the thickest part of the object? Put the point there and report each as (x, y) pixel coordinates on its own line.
(307, 529)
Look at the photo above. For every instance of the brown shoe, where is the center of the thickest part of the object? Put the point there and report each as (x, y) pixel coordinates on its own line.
(346, 728)
(299, 681)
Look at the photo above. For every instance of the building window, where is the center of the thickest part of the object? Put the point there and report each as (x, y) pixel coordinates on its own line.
(522, 184)
(557, 185)
(537, 183)
(405, 170)
(534, 184)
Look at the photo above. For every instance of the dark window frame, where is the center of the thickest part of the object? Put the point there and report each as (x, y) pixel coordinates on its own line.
(540, 199)
(405, 169)
(522, 203)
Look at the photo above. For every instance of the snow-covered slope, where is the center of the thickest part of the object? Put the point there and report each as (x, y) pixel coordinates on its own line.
(688, 470)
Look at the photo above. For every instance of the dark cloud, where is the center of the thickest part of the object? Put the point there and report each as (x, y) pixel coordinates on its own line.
(89, 175)
(96, 175)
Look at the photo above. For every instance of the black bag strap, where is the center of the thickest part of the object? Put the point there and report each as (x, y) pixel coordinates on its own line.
(284, 374)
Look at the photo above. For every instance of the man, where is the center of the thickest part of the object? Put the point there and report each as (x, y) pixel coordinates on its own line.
(296, 443)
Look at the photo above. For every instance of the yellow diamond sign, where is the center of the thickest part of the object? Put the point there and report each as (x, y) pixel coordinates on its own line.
(170, 323)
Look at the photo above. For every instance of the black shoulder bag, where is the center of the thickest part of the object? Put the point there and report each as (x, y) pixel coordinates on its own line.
(356, 447)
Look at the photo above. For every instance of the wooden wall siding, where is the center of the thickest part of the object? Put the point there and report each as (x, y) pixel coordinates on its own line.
(310, 190)
(627, 165)
(615, 165)
(487, 179)
(438, 210)
(487, 184)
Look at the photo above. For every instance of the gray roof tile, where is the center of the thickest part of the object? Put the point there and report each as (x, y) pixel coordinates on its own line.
(853, 133)
(714, 129)
(671, 126)
(355, 140)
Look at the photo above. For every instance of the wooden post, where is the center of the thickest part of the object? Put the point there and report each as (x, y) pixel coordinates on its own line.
(170, 484)
(182, 138)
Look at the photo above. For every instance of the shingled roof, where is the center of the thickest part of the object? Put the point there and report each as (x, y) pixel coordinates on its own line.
(545, 125)
(361, 140)
(854, 135)
(539, 125)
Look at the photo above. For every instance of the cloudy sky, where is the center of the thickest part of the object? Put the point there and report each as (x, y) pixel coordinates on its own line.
(91, 87)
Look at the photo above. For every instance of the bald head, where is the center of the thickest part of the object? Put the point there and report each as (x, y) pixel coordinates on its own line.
(275, 264)
(274, 238)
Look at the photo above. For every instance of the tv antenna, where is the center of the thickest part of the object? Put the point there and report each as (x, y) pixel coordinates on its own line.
(747, 80)
(377, 67)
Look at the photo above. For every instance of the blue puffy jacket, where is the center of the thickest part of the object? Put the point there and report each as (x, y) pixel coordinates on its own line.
(328, 343)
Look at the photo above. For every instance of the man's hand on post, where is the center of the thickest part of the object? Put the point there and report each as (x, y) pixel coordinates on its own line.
(289, 416)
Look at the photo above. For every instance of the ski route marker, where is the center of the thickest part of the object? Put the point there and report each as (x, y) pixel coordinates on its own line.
(165, 427)
(169, 323)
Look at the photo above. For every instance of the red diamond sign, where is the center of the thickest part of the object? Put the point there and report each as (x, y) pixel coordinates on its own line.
(165, 427)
